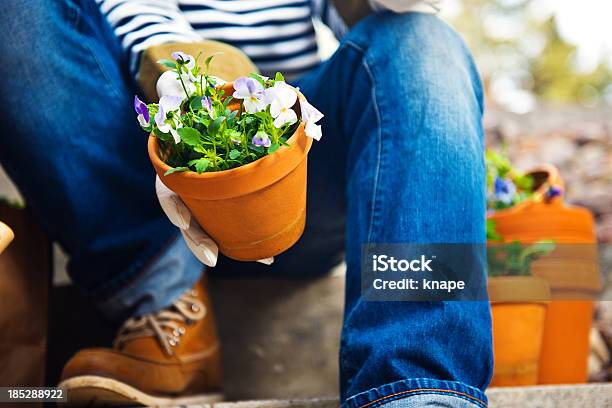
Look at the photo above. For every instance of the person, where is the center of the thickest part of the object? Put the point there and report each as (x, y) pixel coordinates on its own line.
(401, 161)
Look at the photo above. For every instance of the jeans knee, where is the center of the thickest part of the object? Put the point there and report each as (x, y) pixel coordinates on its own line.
(418, 50)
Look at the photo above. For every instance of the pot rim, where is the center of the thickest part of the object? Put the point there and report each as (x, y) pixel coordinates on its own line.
(153, 145)
(238, 181)
(518, 289)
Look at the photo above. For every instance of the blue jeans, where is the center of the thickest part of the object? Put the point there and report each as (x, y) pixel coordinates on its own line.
(401, 161)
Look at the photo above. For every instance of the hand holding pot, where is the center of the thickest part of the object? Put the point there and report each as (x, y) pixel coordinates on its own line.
(198, 241)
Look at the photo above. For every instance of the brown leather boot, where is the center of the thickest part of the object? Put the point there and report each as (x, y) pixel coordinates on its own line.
(167, 358)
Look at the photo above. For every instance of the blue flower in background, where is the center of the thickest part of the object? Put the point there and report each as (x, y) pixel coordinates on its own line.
(504, 190)
(553, 191)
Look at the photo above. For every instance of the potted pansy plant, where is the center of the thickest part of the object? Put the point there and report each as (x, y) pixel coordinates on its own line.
(235, 153)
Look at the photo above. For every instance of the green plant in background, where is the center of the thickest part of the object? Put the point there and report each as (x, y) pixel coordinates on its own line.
(515, 259)
(492, 234)
(506, 187)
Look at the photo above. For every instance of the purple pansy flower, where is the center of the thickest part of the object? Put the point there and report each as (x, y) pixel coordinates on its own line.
(207, 104)
(504, 190)
(261, 139)
(251, 92)
(142, 110)
(189, 60)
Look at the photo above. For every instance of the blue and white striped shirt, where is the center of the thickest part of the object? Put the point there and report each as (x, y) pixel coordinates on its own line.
(278, 35)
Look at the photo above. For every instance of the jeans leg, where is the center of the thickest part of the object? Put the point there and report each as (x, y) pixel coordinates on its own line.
(71, 143)
(403, 105)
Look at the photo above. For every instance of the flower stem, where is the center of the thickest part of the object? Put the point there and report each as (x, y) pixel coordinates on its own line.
(183, 84)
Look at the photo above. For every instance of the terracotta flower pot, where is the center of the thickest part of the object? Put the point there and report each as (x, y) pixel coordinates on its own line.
(518, 309)
(252, 212)
(571, 271)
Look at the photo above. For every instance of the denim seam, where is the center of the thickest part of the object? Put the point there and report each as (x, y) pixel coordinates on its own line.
(419, 386)
(374, 209)
(422, 391)
(77, 14)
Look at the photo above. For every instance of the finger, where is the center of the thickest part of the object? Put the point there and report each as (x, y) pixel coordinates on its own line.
(173, 206)
(168, 84)
(267, 261)
(200, 244)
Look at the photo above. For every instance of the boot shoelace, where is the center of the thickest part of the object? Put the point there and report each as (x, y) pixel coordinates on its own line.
(166, 325)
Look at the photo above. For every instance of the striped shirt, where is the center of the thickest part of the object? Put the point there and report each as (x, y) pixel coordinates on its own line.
(278, 35)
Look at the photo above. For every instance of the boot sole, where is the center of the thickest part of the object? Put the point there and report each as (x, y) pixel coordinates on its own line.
(95, 391)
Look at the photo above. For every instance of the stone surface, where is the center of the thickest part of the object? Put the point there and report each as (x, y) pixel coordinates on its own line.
(280, 337)
(564, 396)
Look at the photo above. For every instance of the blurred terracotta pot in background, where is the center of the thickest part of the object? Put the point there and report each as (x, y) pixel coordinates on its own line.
(518, 308)
(571, 271)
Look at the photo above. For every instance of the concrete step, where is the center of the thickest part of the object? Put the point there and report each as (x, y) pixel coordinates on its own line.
(554, 396)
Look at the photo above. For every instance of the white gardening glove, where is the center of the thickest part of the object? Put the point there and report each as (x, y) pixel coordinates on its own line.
(198, 241)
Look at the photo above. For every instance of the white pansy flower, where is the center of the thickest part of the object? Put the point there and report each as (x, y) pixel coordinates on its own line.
(310, 117)
(167, 104)
(281, 98)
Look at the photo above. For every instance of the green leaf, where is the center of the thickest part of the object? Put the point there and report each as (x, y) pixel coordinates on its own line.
(274, 147)
(200, 164)
(196, 103)
(234, 154)
(279, 77)
(166, 137)
(176, 170)
(258, 78)
(208, 60)
(258, 149)
(215, 125)
(167, 63)
(190, 136)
